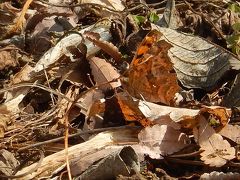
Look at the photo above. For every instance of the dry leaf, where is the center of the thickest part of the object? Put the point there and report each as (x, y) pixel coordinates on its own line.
(105, 75)
(7, 162)
(156, 112)
(87, 99)
(130, 110)
(220, 175)
(106, 46)
(122, 161)
(64, 112)
(233, 97)
(231, 132)
(8, 57)
(162, 140)
(74, 39)
(216, 150)
(103, 140)
(112, 4)
(197, 62)
(5, 119)
(217, 117)
(171, 17)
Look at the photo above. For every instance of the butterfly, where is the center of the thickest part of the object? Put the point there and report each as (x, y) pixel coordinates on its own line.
(151, 74)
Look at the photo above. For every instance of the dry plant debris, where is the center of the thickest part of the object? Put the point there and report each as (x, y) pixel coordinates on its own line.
(119, 89)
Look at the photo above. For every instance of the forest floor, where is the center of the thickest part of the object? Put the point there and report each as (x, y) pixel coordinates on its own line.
(111, 89)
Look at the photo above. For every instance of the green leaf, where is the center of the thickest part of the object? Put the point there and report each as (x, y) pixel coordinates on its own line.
(234, 8)
(139, 19)
(233, 39)
(153, 17)
(236, 26)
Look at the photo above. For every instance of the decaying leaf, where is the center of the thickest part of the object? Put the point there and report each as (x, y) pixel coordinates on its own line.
(216, 150)
(105, 75)
(122, 161)
(162, 140)
(233, 97)
(197, 62)
(65, 106)
(5, 119)
(8, 57)
(101, 141)
(217, 117)
(87, 100)
(7, 162)
(231, 132)
(170, 17)
(106, 46)
(116, 4)
(130, 110)
(220, 175)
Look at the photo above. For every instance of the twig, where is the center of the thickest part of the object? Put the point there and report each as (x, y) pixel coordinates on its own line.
(77, 134)
(183, 161)
(196, 153)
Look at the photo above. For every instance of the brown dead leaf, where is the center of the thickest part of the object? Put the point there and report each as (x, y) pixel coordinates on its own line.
(64, 112)
(103, 73)
(8, 57)
(7, 162)
(231, 132)
(98, 107)
(218, 117)
(220, 175)
(198, 63)
(162, 140)
(130, 110)
(216, 150)
(116, 4)
(5, 119)
(171, 17)
(87, 100)
(106, 46)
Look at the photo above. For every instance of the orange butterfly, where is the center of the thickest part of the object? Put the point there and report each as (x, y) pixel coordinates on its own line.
(151, 74)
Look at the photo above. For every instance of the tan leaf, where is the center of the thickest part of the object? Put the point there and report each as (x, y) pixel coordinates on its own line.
(231, 132)
(162, 140)
(8, 57)
(216, 150)
(7, 162)
(103, 73)
(112, 4)
(87, 99)
(197, 62)
(220, 175)
(5, 119)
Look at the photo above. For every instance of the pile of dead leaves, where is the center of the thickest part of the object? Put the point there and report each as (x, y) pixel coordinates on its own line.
(114, 89)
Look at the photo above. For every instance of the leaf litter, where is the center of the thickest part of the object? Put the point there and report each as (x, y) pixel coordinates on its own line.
(104, 84)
